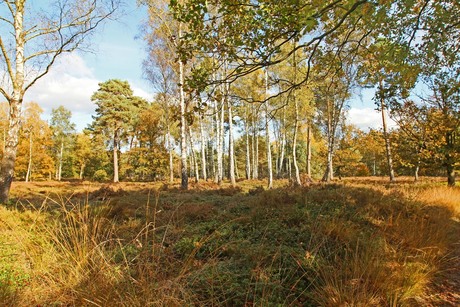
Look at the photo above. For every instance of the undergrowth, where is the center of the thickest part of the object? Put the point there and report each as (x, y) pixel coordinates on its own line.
(321, 245)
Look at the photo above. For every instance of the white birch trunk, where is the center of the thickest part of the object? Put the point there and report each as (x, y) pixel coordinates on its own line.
(329, 172)
(170, 152)
(218, 178)
(196, 171)
(82, 169)
(283, 143)
(15, 101)
(248, 153)
(203, 151)
(309, 136)
(294, 143)
(183, 136)
(267, 136)
(255, 145)
(386, 135)
(222, 136)
(231, 153)
(115, 157)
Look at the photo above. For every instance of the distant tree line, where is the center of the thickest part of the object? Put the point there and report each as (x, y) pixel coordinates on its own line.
(252, 88)
(131, 139)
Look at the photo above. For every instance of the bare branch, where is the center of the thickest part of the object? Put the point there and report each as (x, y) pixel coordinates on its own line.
(6, 20)
(5, 94)
(70, 43)
(7, 59)
(417, 24)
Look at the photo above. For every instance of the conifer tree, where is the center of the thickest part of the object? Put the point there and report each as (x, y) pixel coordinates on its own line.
(117, 109)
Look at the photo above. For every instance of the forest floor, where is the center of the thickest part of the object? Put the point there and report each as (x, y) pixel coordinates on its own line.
(354, 242)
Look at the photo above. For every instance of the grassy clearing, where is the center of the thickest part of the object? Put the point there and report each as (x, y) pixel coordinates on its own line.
(350, 244)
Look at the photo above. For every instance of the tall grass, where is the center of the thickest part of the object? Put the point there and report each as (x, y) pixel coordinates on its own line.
(327, 245)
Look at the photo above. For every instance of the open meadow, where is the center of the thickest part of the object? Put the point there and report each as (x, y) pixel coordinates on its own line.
(354, 242)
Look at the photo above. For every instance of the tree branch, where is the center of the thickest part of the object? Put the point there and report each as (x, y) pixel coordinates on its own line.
(7, 61)
(71, 43)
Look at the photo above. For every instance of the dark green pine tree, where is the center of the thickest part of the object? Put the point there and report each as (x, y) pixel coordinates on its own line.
(116, 113)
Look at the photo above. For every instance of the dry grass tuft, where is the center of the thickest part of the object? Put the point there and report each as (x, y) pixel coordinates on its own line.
(340, 244)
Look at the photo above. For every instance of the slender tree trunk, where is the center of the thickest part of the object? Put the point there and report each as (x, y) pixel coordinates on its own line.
(222, 136)
(255, 144)
(253, 152)
(183, 134)
(449, 160)
(309, 136)
(267, 136)
(196, 167)
(203, 151)
(9, 154)
(170, 152)
(329, 173)
(289, 167)
(115, 157)
(196, 170)
(237, 173)
(211, 159)
(15, 102)
(277, 151)
(219, 144)
(385, 134)
(61, 153)
(329, 176)
(296, 124)
(224, 167)
(29, 165)
(215, 151)
(231, 153)
(294, 143)
(82, 170)
(450, 169)
(417, 166)
(374, 166)
(283, 143)
(248, 158)
(190, 162)
(277, 145)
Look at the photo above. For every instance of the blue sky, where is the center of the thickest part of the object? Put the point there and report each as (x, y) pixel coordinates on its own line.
(119, 49)
(118, 53)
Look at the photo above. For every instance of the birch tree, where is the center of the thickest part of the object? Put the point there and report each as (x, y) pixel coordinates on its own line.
(267, 136)
(331, 95)
(162, 20)
(62, 129)
(203, 145)
(32, 37)
(160, 70)
(231, 144)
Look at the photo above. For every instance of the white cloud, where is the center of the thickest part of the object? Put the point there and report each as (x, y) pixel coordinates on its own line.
(141, 93)
(367, 118)
(71, 83)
